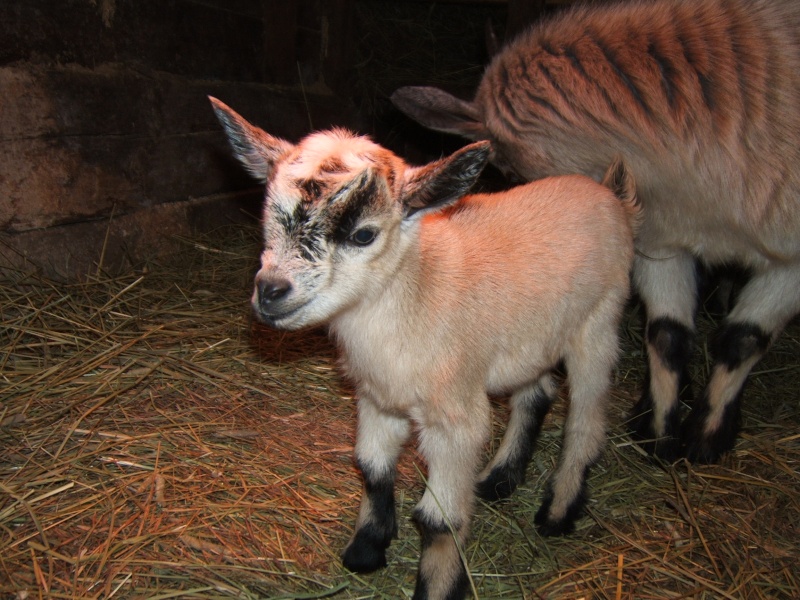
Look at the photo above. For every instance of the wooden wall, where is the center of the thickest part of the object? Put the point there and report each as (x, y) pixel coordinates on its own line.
(107, 142)
(105, 126)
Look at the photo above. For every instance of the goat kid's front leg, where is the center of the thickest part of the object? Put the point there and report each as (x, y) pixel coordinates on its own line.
(379, 440)
(452, 452)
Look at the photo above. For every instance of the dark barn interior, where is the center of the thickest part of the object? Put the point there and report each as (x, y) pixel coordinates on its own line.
(156, 442)
(109, 146)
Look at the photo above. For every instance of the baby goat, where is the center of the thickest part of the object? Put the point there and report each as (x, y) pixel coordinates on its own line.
(435, 298)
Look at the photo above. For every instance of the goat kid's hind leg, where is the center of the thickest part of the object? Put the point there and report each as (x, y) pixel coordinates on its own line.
(452, 451)
(506, 470)
(765, 305)
(379, 440)
(668, 287)
(589, 361)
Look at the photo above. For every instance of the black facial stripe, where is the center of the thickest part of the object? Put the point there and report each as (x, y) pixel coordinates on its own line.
(301, 228)
(315, 218)
(337, 196)
(344, 221)
(310, 188)
(287, 220)
(310, 247)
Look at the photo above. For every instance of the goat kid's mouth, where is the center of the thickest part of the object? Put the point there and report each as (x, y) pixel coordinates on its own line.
(280, 319)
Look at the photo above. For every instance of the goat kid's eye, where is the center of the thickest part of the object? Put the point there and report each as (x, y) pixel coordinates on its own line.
(363, 237)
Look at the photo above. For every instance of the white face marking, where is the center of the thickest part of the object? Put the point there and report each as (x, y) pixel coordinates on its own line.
(329, 187)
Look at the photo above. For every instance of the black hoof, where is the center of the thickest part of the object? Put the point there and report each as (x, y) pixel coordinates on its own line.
(703, 454)
(701, 447)
(365, 553)
(666, 448)
(704, 449)
(498, 485)
(565, 525)
(548, 528)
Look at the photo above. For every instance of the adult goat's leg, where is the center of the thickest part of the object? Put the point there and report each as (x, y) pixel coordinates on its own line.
(764, 306)
(668, 287)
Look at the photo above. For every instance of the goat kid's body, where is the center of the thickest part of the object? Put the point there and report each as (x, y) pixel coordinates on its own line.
(701, 98)
(510, 270)
(436, 299)
(493, 294)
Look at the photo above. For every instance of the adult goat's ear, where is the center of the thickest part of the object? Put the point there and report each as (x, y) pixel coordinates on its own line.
(443, 182)
(257, 150)
(438, 110)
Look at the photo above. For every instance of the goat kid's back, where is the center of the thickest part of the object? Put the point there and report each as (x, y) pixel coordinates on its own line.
(435, 298)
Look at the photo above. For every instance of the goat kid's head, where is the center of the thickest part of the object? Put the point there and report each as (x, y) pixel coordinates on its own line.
(340, 212)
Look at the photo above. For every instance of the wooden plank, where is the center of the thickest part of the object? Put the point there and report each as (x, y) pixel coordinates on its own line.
(522, 13)
(77, 143)
(337, 43)
(280, 42)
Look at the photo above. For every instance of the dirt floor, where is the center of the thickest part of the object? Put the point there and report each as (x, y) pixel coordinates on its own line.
(156, 443)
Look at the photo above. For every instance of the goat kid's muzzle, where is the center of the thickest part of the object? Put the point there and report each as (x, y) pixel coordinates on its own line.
(272, 300)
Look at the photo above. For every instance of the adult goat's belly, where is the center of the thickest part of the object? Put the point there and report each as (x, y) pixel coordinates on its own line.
(715, 237)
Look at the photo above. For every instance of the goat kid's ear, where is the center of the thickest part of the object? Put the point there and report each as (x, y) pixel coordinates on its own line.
(442, 183)
(620, 181)
(257, 150)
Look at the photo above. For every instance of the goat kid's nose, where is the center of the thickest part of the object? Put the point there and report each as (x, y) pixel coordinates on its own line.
(272, 290)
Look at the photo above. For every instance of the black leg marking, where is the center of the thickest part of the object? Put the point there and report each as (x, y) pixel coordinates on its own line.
(734, 344)
(429, 529)
(701, 448)
(672, 341)
(367, 550)
(505, 477)
(457, 592)
(566, 524)
(435, 532)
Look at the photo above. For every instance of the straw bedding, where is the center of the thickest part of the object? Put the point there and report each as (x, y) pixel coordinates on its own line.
(156, 443)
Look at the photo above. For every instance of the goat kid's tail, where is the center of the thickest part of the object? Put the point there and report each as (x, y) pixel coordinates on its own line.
(620, 181)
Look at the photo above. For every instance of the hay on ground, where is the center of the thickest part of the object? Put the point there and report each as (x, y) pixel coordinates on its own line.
(156, 443)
